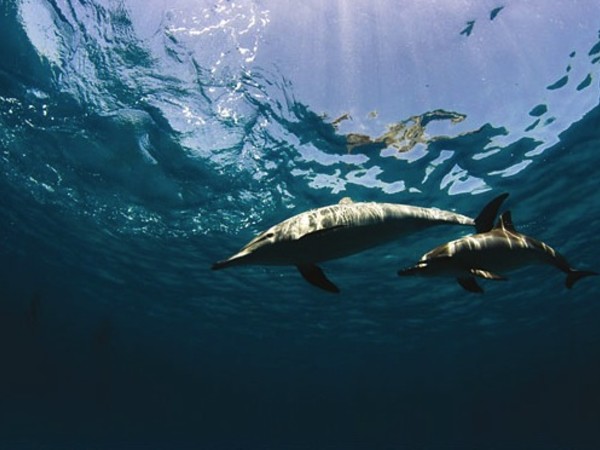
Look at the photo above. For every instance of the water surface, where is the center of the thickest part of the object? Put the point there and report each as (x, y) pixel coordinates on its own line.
(139, 143)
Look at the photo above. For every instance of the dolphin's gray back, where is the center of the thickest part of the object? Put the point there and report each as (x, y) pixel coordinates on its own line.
(401, 218)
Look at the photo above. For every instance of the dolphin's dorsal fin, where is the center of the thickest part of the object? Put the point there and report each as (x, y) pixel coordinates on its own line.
(505, 222)
(485, 220)
(346, 201)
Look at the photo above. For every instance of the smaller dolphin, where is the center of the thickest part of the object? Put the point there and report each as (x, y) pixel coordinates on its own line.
(488, 255)
(341, 230)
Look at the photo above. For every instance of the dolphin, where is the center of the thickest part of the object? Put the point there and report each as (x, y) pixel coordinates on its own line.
(335, 231)
(488, 255)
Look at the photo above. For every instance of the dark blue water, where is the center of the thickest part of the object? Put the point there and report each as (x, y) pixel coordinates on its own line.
(142, 141)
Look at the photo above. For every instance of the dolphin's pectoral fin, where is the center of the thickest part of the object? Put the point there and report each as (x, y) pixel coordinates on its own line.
(486, 218)
(488, 275)
(315, 276)
(470, 284)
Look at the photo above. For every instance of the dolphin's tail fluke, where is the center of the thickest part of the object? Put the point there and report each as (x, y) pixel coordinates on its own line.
(487, 217)
(573, 276)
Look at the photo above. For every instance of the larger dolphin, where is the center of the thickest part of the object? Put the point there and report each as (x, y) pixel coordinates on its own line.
(340, 230)
(489, 255)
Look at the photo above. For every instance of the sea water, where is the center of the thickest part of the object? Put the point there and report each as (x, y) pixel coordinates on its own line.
(142, 141)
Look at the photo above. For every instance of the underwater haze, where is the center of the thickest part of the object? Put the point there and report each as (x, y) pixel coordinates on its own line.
(141, 141)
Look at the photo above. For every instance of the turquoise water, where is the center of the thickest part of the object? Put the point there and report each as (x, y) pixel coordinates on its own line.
(141, 142)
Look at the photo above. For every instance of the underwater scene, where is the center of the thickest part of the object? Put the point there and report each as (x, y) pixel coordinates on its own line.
(326, 224)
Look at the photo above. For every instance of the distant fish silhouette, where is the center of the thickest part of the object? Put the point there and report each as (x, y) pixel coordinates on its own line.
(495, 12)
(341, 230)
(469, 28)
(488, 255)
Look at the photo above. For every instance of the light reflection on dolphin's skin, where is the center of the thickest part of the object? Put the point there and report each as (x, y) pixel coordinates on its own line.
(340, 230)
(488, 255)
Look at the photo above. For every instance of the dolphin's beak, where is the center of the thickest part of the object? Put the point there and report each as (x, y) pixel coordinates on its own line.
(231, 261)
(221, 264)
